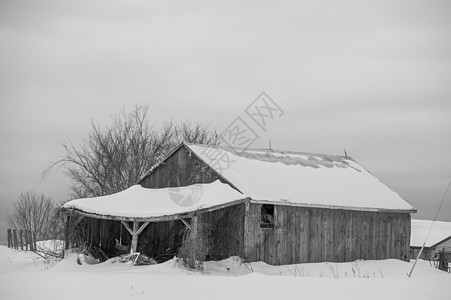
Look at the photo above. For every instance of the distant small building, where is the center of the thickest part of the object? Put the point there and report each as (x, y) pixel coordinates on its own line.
(281, 207)
(439, 239)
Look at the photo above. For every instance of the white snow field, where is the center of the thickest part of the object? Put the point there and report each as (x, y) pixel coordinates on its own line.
(23, 276)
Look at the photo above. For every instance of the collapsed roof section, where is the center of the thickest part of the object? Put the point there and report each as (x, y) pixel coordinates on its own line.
(141, 204)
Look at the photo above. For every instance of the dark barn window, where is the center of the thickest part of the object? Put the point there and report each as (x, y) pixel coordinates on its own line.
(267, 216)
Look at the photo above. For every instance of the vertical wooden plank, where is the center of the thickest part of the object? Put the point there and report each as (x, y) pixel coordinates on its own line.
(281, 231)
(358, 233)
(381, 237)
(397, 233)
(349, 236)
(371, 252)
(303, 232)
(330, 235)
(258, 234)
(366, 236)
(247, 233)
(290, 237)
(311, 237)
(340, 244)
(318, 236)
(335, 230)
(389, 236)
(341, 234)
(322, 230)
(407, 224)
(297, 225)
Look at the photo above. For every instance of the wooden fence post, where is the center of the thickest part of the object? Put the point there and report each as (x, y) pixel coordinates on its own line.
(26, 240)
(10, 239)
(15, 239)
(34, 241)
(21, 239)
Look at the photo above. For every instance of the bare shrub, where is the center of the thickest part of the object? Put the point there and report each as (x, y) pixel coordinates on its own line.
(196, 245)
(115, 157)
(38, 214)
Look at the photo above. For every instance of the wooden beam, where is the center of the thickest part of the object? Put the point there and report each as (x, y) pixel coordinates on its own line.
(78, 220)
(127, 227)
(186, 223)
(143, 226)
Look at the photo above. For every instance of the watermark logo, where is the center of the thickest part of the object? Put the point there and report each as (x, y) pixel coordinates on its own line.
(239, 135)
(263, 110)
(184, 197)
(218, 158)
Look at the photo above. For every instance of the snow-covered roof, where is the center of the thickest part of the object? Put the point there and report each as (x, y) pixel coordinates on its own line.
(420, 228)
(302, 179)
(141, 203)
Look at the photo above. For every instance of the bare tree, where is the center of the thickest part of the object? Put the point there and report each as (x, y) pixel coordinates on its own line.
(196, 134)
(36, 213)
(112, 159)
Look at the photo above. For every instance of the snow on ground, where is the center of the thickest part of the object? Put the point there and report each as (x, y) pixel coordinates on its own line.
(227, 279)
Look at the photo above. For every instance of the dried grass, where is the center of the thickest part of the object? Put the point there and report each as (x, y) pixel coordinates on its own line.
(196, 246)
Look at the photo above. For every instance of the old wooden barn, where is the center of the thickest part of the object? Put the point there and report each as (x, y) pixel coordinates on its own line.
(280, 207)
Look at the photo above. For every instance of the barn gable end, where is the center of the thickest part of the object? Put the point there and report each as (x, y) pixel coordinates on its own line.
(181, 168)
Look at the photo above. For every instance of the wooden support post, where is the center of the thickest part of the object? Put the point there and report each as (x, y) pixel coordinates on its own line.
(10, 239)
(134, 237)
(15, 239)
(21, 239)
(135, 233)
(194, 222)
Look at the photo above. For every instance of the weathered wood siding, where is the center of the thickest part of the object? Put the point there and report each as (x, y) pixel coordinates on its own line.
(100, 234)
(303, 235)
(159, 237)
(227, 231)
(182, 168)
(155, 239)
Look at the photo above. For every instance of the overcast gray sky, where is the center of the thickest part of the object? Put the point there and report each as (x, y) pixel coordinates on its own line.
(369, 76)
